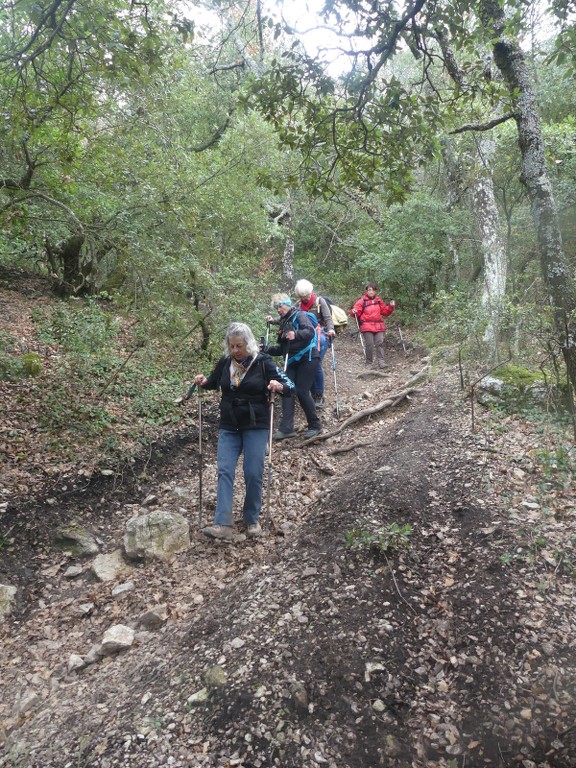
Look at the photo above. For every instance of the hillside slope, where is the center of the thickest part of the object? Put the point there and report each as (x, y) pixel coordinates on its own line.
(301, 650)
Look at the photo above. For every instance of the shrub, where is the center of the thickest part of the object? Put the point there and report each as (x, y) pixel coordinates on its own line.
(393, 537)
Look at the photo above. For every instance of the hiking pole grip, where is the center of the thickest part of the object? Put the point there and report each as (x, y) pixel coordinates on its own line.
(187, 396)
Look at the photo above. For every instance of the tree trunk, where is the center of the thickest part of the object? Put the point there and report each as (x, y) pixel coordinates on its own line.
(454, 187)
(288, 255)
(72, 273)
(493, 248)
(511, 62)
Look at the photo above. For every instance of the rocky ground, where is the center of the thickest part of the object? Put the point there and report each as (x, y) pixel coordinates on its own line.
(342, 638)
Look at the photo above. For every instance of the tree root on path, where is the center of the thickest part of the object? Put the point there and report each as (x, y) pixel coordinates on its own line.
(392, 400)
(350, 447)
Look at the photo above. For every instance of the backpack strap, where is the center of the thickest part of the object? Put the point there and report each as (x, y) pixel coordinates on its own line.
(315, 342)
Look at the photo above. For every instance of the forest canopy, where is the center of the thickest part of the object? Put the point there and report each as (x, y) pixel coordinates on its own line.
(162, 155)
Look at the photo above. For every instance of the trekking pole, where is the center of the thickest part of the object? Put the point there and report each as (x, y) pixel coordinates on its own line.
(267, 332)
(361, 337)
(287, 354)
(402, 340)
(200, 457)
(335, 384)
(269, 482)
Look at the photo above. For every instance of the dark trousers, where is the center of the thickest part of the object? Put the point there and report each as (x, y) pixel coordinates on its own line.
(302, 374)
(318, 383)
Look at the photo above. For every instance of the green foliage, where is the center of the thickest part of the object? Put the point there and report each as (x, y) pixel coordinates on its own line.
(408, 255)
(454, 323)
(80, 328)
(31, 364)
(10, 363)
(518, 377)
(391, 538)
(529, 550)
(14, 366)
(557, 464)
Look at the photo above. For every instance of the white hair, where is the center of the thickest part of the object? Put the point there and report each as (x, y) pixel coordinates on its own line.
(303, 288)
(280, 298)
(244, 332)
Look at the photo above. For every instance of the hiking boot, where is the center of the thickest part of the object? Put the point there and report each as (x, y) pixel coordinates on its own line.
(222, 532)
(319, 399)
(312, 432)
(254, 530)
(279, 435)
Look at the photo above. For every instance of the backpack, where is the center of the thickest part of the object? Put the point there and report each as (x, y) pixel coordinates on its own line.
(339, 316)
(315, 339)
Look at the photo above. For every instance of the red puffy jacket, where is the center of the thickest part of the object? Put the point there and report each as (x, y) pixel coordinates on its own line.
(370, 313)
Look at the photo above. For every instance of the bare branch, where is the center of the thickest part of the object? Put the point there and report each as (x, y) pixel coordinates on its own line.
(227, 67)
(485, 126)
(216, 137)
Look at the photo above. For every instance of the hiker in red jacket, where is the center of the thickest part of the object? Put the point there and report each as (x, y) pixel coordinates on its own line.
(369, 312)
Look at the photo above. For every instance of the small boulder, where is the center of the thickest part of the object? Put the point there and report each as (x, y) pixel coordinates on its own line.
(153, 618)
(158, 535)
(108, 567)
(76, 539)
(117, 638)
(7, 599)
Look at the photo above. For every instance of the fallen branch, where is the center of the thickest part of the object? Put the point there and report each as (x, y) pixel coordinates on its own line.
(369, 374)
(350, 447)
(326, 470)
(390, 402)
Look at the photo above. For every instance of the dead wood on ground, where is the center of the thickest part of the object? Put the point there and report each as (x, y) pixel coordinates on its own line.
(393, 399)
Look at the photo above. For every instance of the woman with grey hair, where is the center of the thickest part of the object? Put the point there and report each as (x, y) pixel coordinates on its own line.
(297, 342)
(247, 378)
(309, 302)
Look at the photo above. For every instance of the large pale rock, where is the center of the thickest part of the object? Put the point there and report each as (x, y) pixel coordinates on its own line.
(490, 390)
(76, 539)
(117, 638)
(158, 535)
(109, 567)
(75, 663)
(7, 599)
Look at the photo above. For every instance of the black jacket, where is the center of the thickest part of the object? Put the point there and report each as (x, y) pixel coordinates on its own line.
(304, 334)
(246, 407)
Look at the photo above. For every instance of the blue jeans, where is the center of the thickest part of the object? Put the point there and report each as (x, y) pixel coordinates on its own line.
(251, 442)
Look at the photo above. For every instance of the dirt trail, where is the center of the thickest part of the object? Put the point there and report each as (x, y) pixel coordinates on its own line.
(310, 652)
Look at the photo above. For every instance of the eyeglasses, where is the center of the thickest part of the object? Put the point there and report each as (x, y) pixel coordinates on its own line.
(277, 304)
